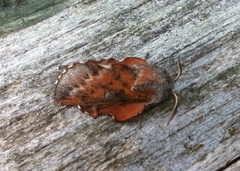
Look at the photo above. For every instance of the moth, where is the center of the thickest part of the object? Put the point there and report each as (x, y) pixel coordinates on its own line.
(122, 89)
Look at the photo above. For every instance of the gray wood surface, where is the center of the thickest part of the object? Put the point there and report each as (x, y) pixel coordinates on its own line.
(38, 134)
(18, 14)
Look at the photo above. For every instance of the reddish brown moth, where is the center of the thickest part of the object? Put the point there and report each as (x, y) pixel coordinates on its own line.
(120, 88)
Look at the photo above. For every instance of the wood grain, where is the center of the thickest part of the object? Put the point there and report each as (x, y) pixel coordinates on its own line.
(38, 134)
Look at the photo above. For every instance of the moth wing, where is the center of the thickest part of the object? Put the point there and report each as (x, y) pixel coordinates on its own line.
(69, 89)
(121, 112)
(102, 82)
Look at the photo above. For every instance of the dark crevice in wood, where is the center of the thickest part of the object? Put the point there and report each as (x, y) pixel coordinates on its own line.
(229, 163)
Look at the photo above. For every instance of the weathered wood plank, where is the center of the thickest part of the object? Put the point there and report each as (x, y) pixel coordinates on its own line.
(18, 14)
(37, 134)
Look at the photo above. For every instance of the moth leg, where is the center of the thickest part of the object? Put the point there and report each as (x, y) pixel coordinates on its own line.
(174, 108)
(139, 120)
(147, 56)
(94, 113)
(179, 70)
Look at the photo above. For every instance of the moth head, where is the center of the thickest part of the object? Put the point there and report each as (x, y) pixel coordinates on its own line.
(163, 84)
